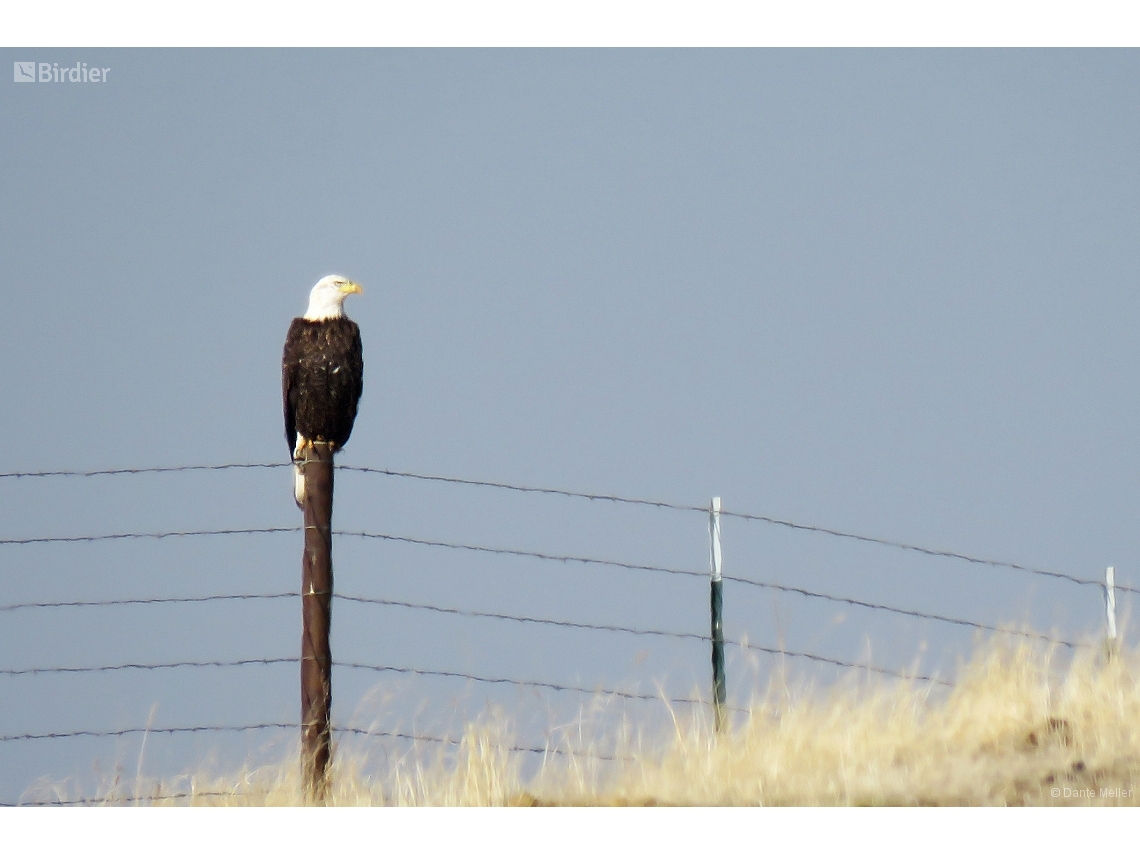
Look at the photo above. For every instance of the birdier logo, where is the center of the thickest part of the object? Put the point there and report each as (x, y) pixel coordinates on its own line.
(51, 72)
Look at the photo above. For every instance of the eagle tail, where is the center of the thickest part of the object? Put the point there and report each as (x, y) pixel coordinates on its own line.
(299, 484)
(299, 471)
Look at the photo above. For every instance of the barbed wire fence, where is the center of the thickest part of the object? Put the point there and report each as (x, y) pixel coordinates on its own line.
(1108, 585)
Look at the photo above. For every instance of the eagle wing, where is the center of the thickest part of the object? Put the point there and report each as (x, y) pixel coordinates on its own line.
(356, 358)
(290, 367)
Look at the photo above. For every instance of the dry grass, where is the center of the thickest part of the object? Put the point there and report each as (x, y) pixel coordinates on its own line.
(1019, 728)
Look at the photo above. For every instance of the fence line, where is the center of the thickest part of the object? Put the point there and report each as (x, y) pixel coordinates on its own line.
(155, 535)
(832, 532)
(1072, 645)
(827, 660)
(292, 660)
(77, 473)
(147, 601)
(501, 551)
(924, 550)
(538, 684)
(140, 666)
(937, 553)
(127, 731)
(522, 618)
(756, 583)
(355, 731)
(158, 797)
(658, 632)
(238, 663)
(518, 552)
(96, 801)
(548, 491)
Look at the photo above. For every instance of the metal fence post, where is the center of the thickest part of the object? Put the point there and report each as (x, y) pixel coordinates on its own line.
(716, 602)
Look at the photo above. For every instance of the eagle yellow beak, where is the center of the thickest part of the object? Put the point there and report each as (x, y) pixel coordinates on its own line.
(351, 288)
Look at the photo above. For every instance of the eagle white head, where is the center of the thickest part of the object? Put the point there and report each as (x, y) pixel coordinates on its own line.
(326, 300)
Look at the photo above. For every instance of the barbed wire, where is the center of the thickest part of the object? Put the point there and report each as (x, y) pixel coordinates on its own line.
(396, 669)
(146, 535)
(105, 801)
(545, 556)
(827, 660)
(79, 473)
(90, 473)
(141, 666)
(897, 544)
(538, 684)
(744, 580)
(147, 601)
(336, 731)
(281, 660)
(626, 565)
(548, 491)
(907, 612)
(568, 624)
(605, 562)
(401, 604)
(127, 731)
(634, 631)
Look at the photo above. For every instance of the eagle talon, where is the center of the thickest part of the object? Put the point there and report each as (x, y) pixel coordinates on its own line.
(303, 444)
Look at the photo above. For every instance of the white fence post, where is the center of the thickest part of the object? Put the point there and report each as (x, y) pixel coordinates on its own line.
(1110, 604)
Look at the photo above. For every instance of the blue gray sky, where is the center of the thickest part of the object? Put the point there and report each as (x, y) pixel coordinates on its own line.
(890, 292)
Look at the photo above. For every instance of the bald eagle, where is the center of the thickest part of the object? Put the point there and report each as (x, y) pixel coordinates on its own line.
(322, 374)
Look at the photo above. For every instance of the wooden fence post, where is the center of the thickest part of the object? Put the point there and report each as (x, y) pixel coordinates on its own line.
(716, 602)
(316, 614)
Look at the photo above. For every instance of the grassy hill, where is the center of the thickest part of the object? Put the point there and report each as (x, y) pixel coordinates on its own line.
(1022, 726)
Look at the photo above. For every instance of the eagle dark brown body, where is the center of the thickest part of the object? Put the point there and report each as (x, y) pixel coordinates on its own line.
(322, 377)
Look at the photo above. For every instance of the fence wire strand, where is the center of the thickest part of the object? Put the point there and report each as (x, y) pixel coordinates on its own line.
(337, 730)
(146, 535)
(147, 601)
(282, 660)
(740, 579)
(128, 731)
(547, 491)
(520, 552)
(359, 666)
(449, 610)
(804, 592)
(90, 473)
(143, 666)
